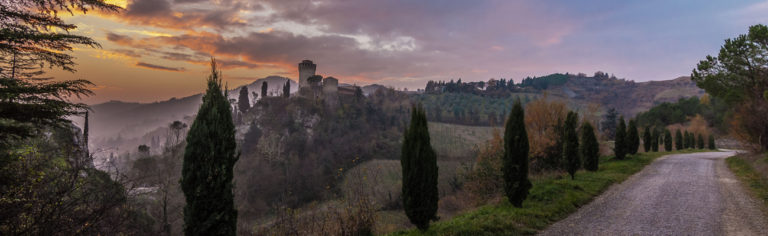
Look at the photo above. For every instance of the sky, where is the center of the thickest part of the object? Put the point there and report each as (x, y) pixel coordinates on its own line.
(157, 49)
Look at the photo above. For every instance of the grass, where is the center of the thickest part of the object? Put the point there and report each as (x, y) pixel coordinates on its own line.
(754, 181)
(551, 199)
(458, 141)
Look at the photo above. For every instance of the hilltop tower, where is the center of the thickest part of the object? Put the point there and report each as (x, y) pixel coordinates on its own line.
(306, 70)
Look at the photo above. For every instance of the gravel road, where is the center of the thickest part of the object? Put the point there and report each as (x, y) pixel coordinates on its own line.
(682, 194)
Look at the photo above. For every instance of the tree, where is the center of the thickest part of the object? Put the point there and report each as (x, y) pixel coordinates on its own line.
(143, 150)
(700, 142)
(590, 148)
(609, 123)
(633, 138)
(243, 103)
(208, 161)
(686, 140)
(647, 139)
(738, 75)
(571, 144)
(419, 166)
(287, 89)
(667, 140)
(679, 140)
(620, 144)
(264, 88)
(712, 142)
(655, 140)
(32, 37)
(515, 160)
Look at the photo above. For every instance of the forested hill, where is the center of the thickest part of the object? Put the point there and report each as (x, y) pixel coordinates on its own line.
(493, 97)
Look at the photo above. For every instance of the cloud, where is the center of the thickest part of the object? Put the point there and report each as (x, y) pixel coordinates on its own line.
(159, 67)
(120, 39)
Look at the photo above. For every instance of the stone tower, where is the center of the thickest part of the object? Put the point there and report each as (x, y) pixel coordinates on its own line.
(306, 69)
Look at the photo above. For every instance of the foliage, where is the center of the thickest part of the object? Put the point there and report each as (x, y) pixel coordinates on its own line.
(590, 148)
(679, 140)
(468, 108)
(700, 142)
(633, 138)
(544, 124)
(571, 144)
(655, 136)
(711, 143)
(487, 179)
(620, 144)
(744, 169)
(714, 112)
(647, 139)
(609, 123)
(243, 103)
(667, 140)
(209, 158)
(264, 88)
(287, 89)
(419, 165)
(515, 160)
(738, 76)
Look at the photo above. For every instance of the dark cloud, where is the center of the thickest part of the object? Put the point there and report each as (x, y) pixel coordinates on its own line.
(159, 67)
(127, 52)
(119, 39)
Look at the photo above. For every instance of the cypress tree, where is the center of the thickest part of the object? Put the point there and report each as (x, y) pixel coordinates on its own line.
(243, 103)
(712, 142)
(419, 166)
(515, 159)
(590, 148)
(287, 89)
(678, 140)
(620, 144)
(647, 139)
(633, 138)
(264, 88)
(686, 140)
(208, 161)
(667, 140)
(700, 142)
(655, 140)
(571, 144)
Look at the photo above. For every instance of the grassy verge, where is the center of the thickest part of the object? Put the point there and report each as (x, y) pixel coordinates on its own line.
(757, 184)
(551, 199)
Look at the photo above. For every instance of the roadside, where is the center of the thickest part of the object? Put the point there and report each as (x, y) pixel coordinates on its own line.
(752, 171)
(550, 200)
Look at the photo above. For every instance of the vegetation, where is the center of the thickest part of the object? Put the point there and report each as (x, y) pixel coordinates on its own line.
(551, 199)
(737, 75)
(571, 144)
(515, 159)
(679, 140)
(419, 168)
(647, 139)
(590, 148)
(633, 138)
(711, 143)
(469, 108)
(544, 127)
(713, 110)
(209, 158)
(243, 103)
(744, 167)
(700, 142)
(620, 144)
(667, 140)
(655, 140)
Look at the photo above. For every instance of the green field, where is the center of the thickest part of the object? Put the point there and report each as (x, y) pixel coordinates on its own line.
(551, 199)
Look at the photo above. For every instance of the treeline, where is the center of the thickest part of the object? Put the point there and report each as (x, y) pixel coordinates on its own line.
(713, 110)
(469, 109)
(504, 87)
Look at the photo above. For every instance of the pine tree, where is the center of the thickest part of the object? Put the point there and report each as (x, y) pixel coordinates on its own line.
(264, 88)
(667, 140)
(679, 140)
(208, 161)
(633, 138)
(419, 167)
(655, 140)
(287, 89)
(712, 142)
(571, 144)
(243, 103)
(620, 144)
(647, 139)
(700, 142)
(515, 159)
(590, 148)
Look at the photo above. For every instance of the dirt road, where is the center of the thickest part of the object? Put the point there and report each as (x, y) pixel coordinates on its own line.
(683, 194)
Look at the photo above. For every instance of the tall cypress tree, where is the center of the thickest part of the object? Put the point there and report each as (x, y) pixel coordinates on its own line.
(633, 138)
(419, 166)
(679, 140)
(264, 88)
(686, 140)
(647, 139)
(620, 144)
(287, 89)
(655, 140)
(571, 144)
(515, 159)
(712, 142)
(243, 103)
(590, 148)
(667, 140)
(700, 142)
(208, 161)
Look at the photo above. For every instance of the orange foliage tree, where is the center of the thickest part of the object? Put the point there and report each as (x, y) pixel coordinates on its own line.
(543, 119)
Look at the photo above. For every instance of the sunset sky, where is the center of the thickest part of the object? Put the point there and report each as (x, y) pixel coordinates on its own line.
(158, 49)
